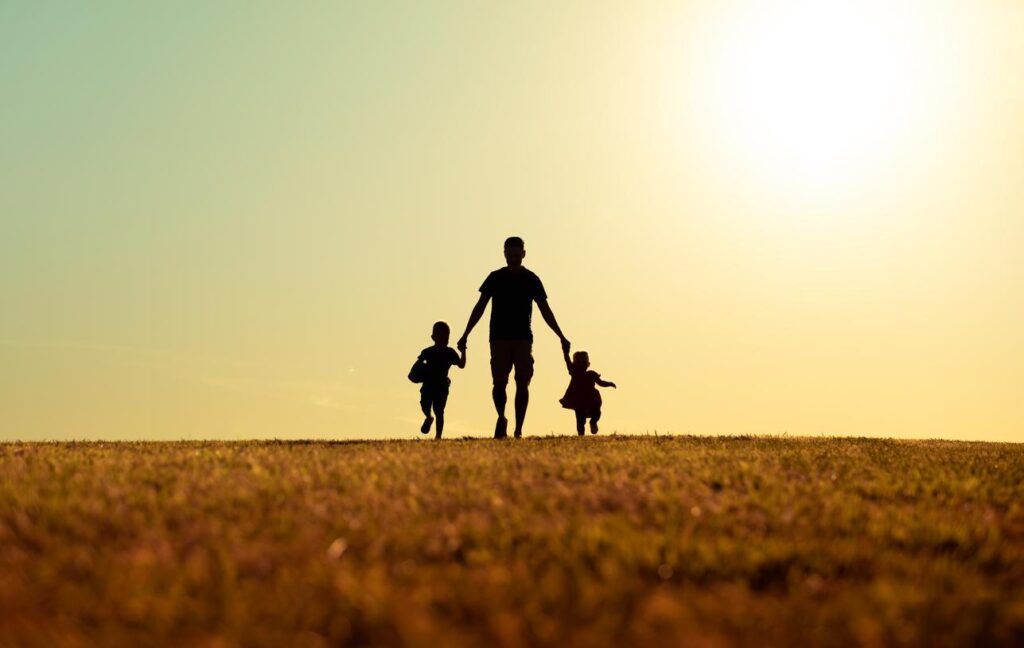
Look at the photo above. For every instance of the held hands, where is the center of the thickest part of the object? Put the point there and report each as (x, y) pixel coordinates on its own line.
(461, 344)
(566, 345)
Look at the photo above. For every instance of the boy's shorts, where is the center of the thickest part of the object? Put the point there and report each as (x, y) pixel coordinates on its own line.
(434, 395)
(506, 354)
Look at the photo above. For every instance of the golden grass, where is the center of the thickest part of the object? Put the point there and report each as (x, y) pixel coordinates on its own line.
(596, 541)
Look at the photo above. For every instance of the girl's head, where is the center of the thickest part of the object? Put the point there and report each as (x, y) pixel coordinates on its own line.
(581, 360)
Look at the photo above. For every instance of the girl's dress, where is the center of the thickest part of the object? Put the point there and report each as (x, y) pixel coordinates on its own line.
(582, 393)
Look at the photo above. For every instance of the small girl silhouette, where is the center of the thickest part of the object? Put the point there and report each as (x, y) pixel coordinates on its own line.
(582, 396)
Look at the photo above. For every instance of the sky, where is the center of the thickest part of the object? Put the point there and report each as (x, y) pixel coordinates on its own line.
(239, 220)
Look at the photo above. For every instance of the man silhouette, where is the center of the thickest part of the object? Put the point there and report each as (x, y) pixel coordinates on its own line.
(514, 289)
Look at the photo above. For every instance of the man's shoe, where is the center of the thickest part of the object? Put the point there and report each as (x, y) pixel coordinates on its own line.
(501, 428)
(426, 424)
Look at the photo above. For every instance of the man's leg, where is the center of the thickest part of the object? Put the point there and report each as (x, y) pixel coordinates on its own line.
(501, 366)
(522, 402)
(500, 399)
(523, 360)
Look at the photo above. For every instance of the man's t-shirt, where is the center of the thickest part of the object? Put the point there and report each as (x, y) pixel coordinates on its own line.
(512, 294)
(438, 361)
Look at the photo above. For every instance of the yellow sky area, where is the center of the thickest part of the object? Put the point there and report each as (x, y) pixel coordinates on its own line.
(758, 218)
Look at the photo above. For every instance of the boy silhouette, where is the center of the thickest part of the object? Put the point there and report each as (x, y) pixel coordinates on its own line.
(437, 360)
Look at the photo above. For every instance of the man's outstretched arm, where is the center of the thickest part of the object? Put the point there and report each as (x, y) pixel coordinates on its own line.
(549, 318)
(474, 317)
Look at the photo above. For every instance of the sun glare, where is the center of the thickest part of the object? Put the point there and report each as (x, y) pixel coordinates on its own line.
(814, 93)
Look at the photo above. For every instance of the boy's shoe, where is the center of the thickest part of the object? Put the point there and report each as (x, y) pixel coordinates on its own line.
(426, 424)
(501, 428)
(593, 427)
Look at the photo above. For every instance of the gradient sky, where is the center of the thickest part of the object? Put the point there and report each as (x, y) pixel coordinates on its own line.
(239, 220)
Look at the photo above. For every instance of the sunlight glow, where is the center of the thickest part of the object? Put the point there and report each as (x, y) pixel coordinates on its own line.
(813, 92)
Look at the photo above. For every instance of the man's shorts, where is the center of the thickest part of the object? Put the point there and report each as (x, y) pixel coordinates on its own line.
(506, 354)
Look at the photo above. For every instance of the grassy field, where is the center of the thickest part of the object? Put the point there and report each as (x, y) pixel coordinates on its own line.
(596, 541)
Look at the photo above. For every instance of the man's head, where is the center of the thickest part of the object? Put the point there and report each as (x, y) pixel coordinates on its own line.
(515, 251)
(441, 333)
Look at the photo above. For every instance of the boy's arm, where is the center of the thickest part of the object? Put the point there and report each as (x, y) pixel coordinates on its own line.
(605, 383)
(568, 362)
(462, 358)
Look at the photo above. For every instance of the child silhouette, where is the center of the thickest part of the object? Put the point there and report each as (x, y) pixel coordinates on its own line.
(582, 396)
(432, 367)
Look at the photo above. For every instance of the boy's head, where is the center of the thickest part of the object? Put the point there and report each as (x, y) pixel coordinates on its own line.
(440, 333)
(581, 359)
(515, 250)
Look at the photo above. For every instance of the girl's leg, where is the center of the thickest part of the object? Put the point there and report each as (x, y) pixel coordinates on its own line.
(581, 418)
(594, 418)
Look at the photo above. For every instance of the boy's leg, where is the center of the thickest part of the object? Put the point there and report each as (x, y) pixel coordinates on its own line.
(440, 401)
(425, 403)
(581, 418)
(439, 404)
(594, 418)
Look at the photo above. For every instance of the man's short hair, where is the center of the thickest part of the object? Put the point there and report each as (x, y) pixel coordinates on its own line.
(514, 241)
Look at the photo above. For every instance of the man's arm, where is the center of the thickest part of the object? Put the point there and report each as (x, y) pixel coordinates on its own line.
(474, 317)
(549, 318)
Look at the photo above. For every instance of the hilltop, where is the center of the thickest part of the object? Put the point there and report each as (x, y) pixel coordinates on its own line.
(552, 541)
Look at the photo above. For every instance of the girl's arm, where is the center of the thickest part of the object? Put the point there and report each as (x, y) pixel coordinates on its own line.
(605, 383)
